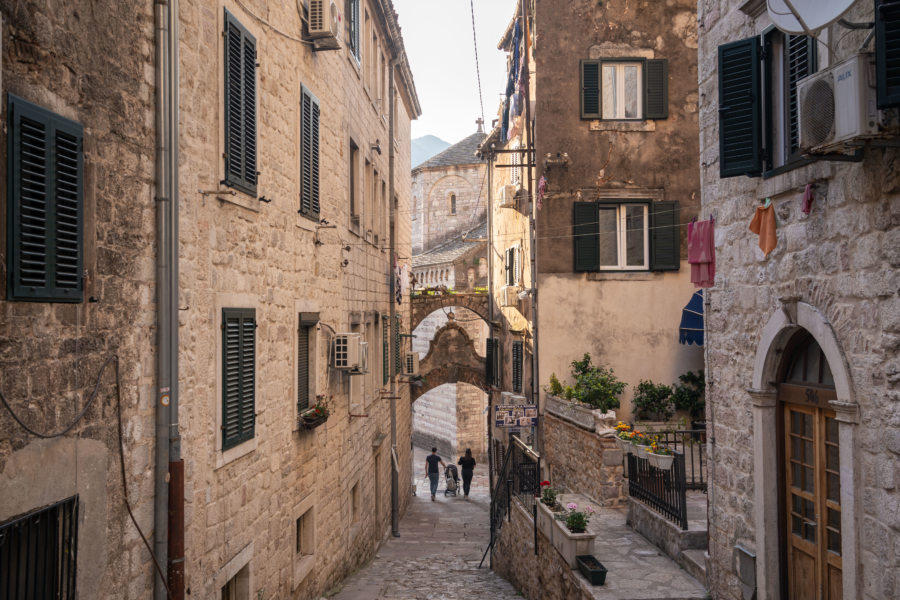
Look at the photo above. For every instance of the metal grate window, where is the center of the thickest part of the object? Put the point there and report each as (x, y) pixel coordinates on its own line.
(38, 553)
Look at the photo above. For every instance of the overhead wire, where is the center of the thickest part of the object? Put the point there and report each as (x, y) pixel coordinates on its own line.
(477, 67)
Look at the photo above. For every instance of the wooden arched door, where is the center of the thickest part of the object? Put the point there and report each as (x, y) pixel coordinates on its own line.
(811, 476)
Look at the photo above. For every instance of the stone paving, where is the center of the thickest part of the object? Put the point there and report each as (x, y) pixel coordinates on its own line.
(437, 554)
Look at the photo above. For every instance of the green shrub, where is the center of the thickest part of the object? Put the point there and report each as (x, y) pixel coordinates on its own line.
(689, 394)
(555, 388)
(653, 399)
(596, 386)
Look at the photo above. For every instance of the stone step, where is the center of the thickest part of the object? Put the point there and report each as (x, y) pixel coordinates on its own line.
(694, 562)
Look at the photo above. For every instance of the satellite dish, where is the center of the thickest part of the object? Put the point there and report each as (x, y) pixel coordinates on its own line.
(815, 14)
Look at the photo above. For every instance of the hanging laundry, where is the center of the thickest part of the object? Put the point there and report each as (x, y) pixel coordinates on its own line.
(542, 189)
(398, 283)
(504, 122)
(702, 253)
(521, 87)
(763, 224)
(517, 38)
(808, 198)
(510, 83)
(515, 105)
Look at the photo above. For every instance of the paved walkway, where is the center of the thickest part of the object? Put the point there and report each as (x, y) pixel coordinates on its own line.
(436, 556)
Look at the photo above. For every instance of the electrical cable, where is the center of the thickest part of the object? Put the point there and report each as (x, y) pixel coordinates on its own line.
(477, 68)
(78, 417)
(272, 27)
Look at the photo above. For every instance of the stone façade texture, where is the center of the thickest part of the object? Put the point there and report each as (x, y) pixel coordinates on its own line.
(842, 260)
(91, 62)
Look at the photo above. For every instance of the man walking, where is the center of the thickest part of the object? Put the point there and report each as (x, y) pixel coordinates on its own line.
(431, 469)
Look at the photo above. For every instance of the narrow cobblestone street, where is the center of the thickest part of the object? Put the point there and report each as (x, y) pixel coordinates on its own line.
(436, 556)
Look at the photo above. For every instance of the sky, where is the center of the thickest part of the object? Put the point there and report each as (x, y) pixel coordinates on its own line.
(438, 39)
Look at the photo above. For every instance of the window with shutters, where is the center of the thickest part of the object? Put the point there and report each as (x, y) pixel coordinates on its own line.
(624, 89)
(309, 155)
(518, 353)
(887, 52)
(354, 187)
(758, 102)
(305, 345)
(626, 236)
(513, 266)
(240, 107)
(351, 12)
(45, 205)
(238, 375)
(492, 362)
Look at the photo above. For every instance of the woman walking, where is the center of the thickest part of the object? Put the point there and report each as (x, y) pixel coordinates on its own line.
(468, 467)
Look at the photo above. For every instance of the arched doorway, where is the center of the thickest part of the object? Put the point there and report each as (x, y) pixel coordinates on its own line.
(811, 484)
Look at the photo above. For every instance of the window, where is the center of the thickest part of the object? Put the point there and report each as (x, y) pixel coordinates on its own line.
(354, 186)
(515, 175)
(626, 236)
(305, 544)
(512, 265)
(624, 89)
(518, 352)
(238, 375)
(351, 9)
(354, 503)
(385, 351)
(240, 106)
(45, 209)
(238, 587)
(887, 62)
(452, 204)
(306, 345)
(492, 362)
(38, 552)
(758, 104)
(356, 381)
(309, 154)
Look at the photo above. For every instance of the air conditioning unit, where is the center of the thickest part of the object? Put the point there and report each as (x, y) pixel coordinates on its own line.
(509, 295)
(508, 196)
(411, 363)
(363, 358)
(347, 351)
(837, 106)
(325, 20)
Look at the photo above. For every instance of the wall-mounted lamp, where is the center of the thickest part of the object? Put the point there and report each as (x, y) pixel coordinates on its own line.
(560, 160)
(376, 146)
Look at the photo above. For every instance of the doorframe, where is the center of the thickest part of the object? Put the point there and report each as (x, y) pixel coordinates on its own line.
(792, 317)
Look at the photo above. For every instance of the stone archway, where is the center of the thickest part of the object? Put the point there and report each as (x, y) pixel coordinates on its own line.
(426, 303)
(793, 317)
(451, 358)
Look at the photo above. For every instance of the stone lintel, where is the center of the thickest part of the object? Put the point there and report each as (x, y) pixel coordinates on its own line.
(763, 398)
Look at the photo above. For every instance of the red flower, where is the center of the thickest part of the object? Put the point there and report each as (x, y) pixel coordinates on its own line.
(545, 483)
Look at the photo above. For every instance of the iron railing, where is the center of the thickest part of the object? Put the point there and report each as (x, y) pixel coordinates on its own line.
(690, 443)
(38, 553)
(664, 490)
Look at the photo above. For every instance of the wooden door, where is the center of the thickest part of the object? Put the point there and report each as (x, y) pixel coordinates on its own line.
(812, 480)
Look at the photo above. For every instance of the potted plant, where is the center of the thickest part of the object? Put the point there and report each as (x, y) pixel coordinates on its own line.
(592, 569)
(570, 536)
(661, 457)
(640, 444)
(652, 400)
(546, 509)
(623, 437)
(688, 395)
(313, 416)
(595, 386)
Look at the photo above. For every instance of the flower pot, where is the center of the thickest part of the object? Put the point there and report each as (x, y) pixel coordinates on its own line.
(570, 545)
(661, 461)
(545, 518)
(308, 422)
(642, 451)
(592, 569)
(623, 445)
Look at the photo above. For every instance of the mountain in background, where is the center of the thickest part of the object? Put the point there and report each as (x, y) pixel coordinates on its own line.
(425, 147)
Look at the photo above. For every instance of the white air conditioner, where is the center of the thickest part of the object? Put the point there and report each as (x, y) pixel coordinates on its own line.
(346, 351)
(509, 295)
(508, 196)
(837, 106)
(325, 19)
(411, 363)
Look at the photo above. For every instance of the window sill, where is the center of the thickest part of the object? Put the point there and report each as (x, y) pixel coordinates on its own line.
(793, 177)
(232, 454)
(238, 198)
(600, 125)
(622, 276)
(302, 568)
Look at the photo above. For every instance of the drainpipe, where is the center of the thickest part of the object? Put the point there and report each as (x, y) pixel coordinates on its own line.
(529, 157)
(489, 157)
(168, 448)
(395, 472)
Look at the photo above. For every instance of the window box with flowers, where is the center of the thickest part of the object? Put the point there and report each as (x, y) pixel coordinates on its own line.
(661, 457)
(570, 536)
(623, 437)
(313, 416)
(640, 444)
(547, 509)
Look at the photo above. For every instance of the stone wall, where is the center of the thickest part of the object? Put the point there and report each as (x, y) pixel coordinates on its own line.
(433, 222)
(91, 62)
(541, 576)
(581, 461)
(842, 261)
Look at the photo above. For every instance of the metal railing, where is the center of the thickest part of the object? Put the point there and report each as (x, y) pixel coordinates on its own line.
(518, 477)
(664, 490)
(690, 443)
(38, 553)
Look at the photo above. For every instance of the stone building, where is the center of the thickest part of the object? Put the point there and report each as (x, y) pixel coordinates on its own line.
(288, 215)
(802, 338)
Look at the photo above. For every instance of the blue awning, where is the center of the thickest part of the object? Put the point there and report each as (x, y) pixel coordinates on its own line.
(691, 329)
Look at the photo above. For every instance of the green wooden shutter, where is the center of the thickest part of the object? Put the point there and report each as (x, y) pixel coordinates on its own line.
(240, 106)
(887, 52)
(801, 61)
(238, 375)
(309, 154)
(518, 357)
(45, 217)
(385, 350)
(665, 238)
(397, 357)
(586, 236)
(656, 89)
(497, 369)
(489, 361)
(302, 368)
(590, 89)
(740, 114)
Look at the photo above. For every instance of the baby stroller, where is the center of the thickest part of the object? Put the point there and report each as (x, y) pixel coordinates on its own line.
(452, 477)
